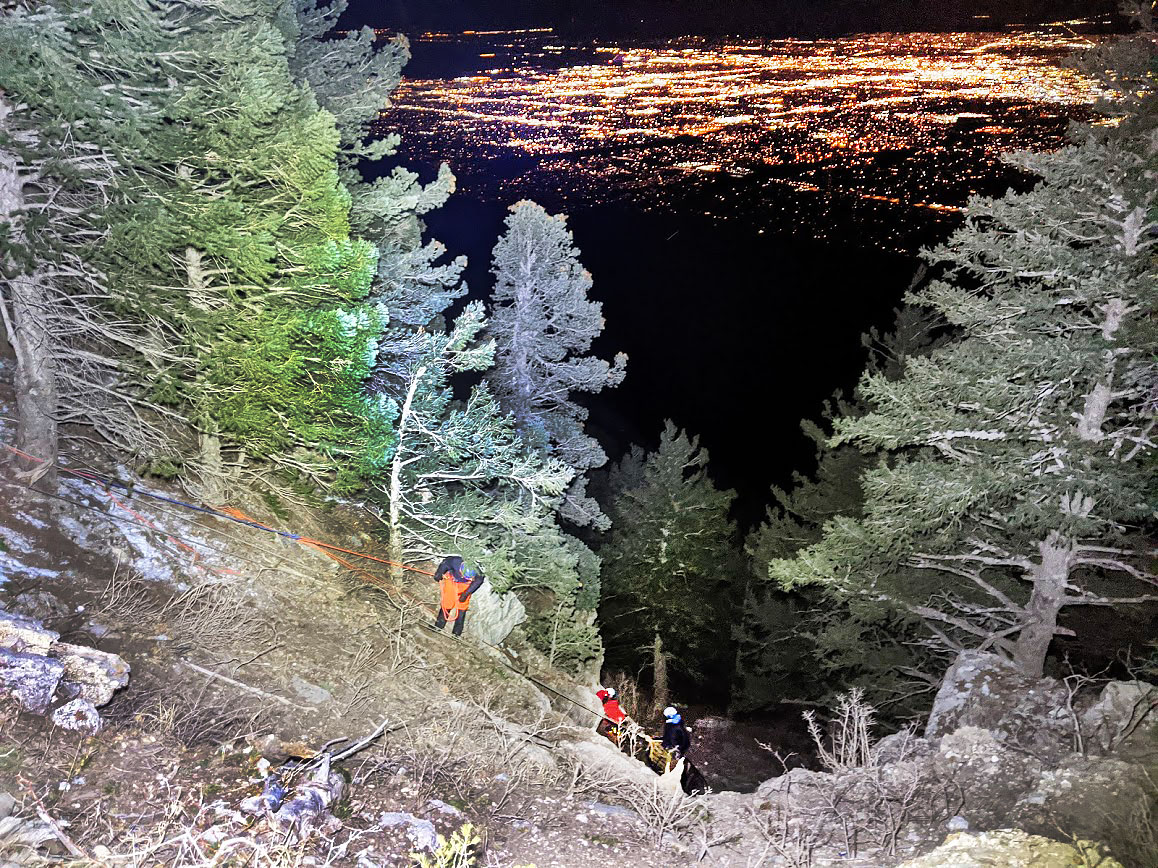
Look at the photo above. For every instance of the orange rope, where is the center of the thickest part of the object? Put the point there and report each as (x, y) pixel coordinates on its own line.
(325, 545)
(234, 513)
(329, 551)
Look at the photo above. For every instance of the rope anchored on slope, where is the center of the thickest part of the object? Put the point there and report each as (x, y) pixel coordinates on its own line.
(658, 757)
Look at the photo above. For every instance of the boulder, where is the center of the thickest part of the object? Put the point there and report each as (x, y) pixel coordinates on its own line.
(1009, 848)
(1100, 798)
(986, 691)
(96, 674)
(987, 772)
(30, 679)
(600, 758)
(1124, 719)
(34, 665)
(493, 616)
(25, 635)
(79, 715)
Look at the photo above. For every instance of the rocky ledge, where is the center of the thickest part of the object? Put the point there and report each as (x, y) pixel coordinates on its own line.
(45, 676)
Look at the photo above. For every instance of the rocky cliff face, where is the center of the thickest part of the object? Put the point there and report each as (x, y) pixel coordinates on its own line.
(999, 752)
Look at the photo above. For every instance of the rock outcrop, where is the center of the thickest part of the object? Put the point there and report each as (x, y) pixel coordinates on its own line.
(1124, 719)
(1009, 848)
(41, 674)
(999, 752)
(988, 692)
(493, 616)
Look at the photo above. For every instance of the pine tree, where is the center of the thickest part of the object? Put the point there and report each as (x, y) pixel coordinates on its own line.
(353, 75)
(251, 262)
(1020, 475)
(543, 323)
(811, 644)
(670, 564)
(456, 466)
(459, 478)
(72, 115)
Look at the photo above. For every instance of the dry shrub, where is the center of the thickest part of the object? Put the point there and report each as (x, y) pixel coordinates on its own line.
(849, 743)
(665, 810)
(213, 615)
(129, 599)
(191, 717)
(468, 745)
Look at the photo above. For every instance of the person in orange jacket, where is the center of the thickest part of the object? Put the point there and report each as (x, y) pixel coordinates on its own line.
(458, 582)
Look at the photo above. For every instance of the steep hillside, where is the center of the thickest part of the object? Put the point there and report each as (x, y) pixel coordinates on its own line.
(250, 653)
(183, 687)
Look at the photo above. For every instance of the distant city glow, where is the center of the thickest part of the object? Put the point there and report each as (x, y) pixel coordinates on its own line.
(884, 111)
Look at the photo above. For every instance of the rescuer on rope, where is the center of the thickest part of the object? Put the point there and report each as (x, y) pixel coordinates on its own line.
(458, 582)
(613, 715)
(675, 734)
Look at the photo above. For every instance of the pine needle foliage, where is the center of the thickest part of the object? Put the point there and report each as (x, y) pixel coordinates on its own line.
(73, 120)
(1019, 472)
(246, 252)
(670, 561)
(543, 324)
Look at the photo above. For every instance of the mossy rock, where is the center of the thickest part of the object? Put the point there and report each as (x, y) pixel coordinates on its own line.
(1009, 848)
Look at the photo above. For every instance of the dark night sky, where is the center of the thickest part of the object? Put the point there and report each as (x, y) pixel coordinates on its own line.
(783, 331)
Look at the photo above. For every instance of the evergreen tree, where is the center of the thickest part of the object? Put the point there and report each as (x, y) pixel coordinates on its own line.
(543, 322)
(251, 261)
(670, 565)
(353, 75)
(810, 644)
(461, 479)
(1020, 475)
(456, 466)
(73, 115)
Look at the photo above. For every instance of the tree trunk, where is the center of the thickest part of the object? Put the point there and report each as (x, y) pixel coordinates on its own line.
(659, 690)
(211, 471)
(29, 329)
(394, 513)
(35, 379)
(1045, 602)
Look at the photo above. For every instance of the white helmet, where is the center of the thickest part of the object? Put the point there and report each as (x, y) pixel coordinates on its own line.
(670, 712)
(611, 692)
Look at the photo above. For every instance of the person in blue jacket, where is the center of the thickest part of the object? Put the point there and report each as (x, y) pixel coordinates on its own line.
(675, 734)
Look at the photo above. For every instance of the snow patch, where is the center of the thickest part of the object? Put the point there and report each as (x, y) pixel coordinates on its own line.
(10, 567)
(32, 520)
(76, 531)
(16, 540)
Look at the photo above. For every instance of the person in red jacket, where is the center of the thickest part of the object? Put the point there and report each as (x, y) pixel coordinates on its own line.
(613, 715)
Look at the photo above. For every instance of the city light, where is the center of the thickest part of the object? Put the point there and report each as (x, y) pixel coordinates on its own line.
(886, 112)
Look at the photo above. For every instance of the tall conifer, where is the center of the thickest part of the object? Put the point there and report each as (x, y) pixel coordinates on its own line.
(543, 324)
(670, 563)
(74, 116)
(1021, 464)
